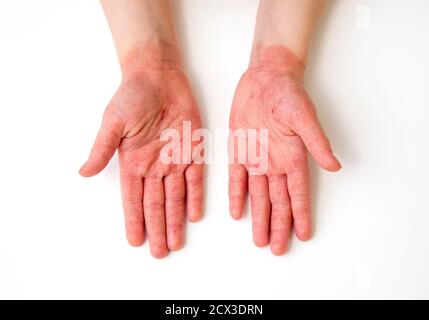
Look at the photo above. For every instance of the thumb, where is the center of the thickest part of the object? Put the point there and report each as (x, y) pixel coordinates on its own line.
(107, 141)
(311, 132)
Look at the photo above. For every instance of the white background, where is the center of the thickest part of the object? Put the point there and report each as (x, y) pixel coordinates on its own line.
(62, 236)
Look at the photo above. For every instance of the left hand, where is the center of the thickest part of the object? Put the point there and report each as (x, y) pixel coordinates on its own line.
(273, 97)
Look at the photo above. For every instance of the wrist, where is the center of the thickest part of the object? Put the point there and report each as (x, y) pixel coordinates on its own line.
(153, 56)
(275, 56)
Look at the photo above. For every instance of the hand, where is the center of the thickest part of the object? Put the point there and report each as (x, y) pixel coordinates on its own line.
(271, 96)
(153, 192)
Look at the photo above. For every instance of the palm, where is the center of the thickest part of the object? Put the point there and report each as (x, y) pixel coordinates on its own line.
(153, 106)
(258, 98)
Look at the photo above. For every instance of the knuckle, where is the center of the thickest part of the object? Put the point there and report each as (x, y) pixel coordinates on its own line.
(236, 198)
(153, 204)
(175, 227)
(302, 217)
(236, 179)
(132, 201)
(133, 221)
(194, 181)
(196, 198)
(261, 209)
(280, 204)
(258, 193)
(176, 201)
(281, 222)
(301, 198)
(194, 172)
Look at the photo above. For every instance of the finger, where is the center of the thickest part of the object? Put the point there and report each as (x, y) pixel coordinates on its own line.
(175, 210)
(260, 207)
(237, 190)
(194, 191)
(281, 214)
(132, 201)
(153, 207)
(107, 141)
(311, 132)
(298, 184)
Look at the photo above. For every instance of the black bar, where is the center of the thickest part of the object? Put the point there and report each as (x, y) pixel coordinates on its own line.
(213, 309)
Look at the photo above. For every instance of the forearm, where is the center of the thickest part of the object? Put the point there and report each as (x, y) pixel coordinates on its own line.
(284, 29)
(143, 32)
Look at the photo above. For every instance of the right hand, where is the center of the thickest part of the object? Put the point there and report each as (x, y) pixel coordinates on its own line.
(153, 193)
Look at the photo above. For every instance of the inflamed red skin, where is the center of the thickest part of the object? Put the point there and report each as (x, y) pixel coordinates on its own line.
(154, 95)
(271, 95)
